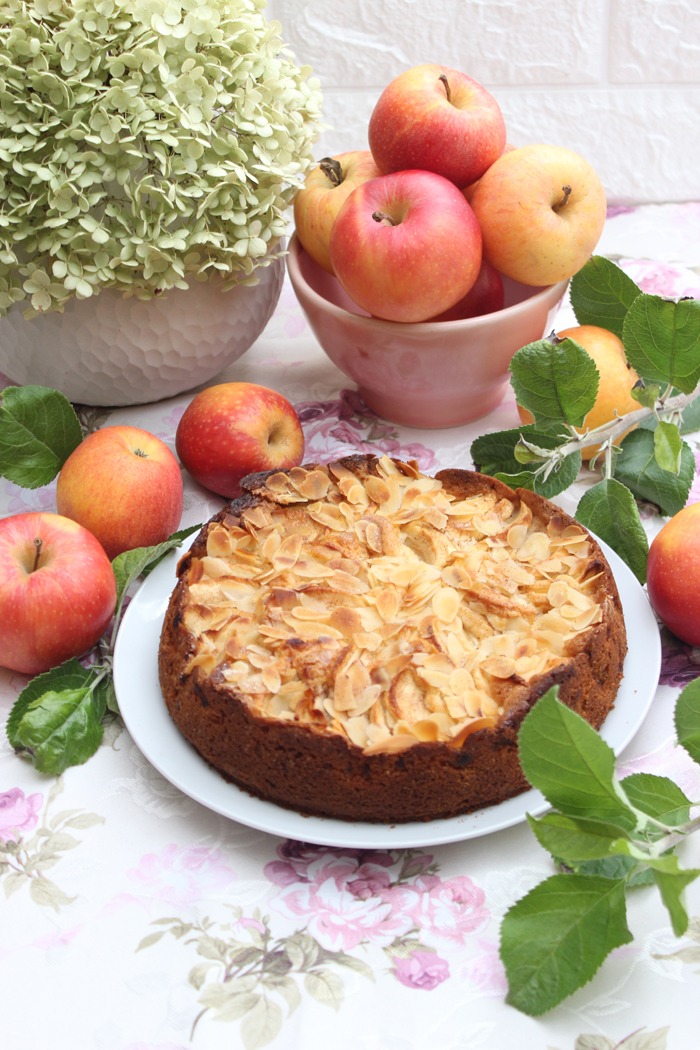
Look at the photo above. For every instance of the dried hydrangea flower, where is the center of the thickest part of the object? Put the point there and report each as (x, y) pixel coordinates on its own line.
(143, 144)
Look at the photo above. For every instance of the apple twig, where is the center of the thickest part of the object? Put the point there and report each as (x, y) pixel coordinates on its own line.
(606, 433)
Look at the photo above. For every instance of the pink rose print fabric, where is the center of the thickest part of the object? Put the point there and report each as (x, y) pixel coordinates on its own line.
(19, 813)
(389, 900)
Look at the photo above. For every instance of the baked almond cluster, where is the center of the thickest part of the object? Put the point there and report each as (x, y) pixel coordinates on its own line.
(383, 607)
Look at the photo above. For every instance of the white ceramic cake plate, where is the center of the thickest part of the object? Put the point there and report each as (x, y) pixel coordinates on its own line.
(147, 720)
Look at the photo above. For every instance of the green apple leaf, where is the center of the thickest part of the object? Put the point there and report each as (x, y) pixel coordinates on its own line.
(556, 382)
(662, 340)
(647, 394)
(637, 468)
(563, 757)
(57, 718)
(687, 719)
(555, 938)
(691, 417)
(38, 431)
(570, 840)
(140, 561)
(667, 447)
(617, 866)
(609, 510)
(657, 797)
(601, 294)
(672, 881)
(494, 454)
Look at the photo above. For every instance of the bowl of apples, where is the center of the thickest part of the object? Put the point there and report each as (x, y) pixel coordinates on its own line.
(425, 262)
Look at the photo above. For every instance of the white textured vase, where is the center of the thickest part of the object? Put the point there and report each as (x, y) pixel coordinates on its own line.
(111, 350)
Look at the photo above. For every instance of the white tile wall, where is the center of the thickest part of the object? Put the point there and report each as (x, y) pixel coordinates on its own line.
(616, 80)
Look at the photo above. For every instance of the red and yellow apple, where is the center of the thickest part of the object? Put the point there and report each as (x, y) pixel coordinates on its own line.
(124, 485)
(406, 246)
(616, 379)
(541, 210)
(486, 296)
(325, 189)
(57, 591)
(233, 429)
(673, 574)
(437, 119)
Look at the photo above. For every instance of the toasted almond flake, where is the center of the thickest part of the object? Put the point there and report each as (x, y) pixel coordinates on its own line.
(387, 602)
(278, 483)
(220, 543)
(271, 545)
(373, 537)
(216, 567)
(311, 628)
(328, 515)
(310, 569)
(312, 613)
(535, 548)
(257, 516)
(377, 489)
(446, 603)
(499, 666)
(346, 620)
(390, 745)
(347, 584)
(271, 679)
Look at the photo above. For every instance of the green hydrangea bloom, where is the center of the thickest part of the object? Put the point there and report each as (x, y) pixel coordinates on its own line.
(143, 144)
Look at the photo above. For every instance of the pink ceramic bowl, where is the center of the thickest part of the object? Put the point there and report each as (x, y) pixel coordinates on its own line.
(434, 374)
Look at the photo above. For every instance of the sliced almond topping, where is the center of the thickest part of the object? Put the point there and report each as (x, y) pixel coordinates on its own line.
(414, 607)
(288, 553)
(446, 603)
(329, 516)
(346, 620)
(499, 666)
(216, 567)
(377, 489)
(257, 516)
(387, 602)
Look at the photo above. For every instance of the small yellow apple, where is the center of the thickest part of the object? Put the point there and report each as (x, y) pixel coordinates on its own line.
(325, 190)
(541, 209)
(616, 379)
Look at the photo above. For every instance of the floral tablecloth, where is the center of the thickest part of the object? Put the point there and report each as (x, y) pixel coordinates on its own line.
(134, 918)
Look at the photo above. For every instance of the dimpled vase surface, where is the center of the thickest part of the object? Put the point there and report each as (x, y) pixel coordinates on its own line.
(112, 350)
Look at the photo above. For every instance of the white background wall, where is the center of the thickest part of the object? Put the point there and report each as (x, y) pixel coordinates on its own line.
(616, 80)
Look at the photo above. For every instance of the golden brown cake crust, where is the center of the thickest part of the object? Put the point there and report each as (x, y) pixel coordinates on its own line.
(310, 766)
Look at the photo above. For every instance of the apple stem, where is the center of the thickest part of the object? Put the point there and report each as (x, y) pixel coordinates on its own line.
(332, 170)
(380, 216)
(566, 190)
(446, 85)
(38, 543)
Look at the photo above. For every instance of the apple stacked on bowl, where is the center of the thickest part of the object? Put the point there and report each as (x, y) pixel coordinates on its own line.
(441, 222)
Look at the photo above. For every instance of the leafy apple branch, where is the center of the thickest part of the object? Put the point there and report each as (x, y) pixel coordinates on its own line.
(607, 837)
(557, 382)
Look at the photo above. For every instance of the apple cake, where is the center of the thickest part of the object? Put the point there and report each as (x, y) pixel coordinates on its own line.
(359, 640)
